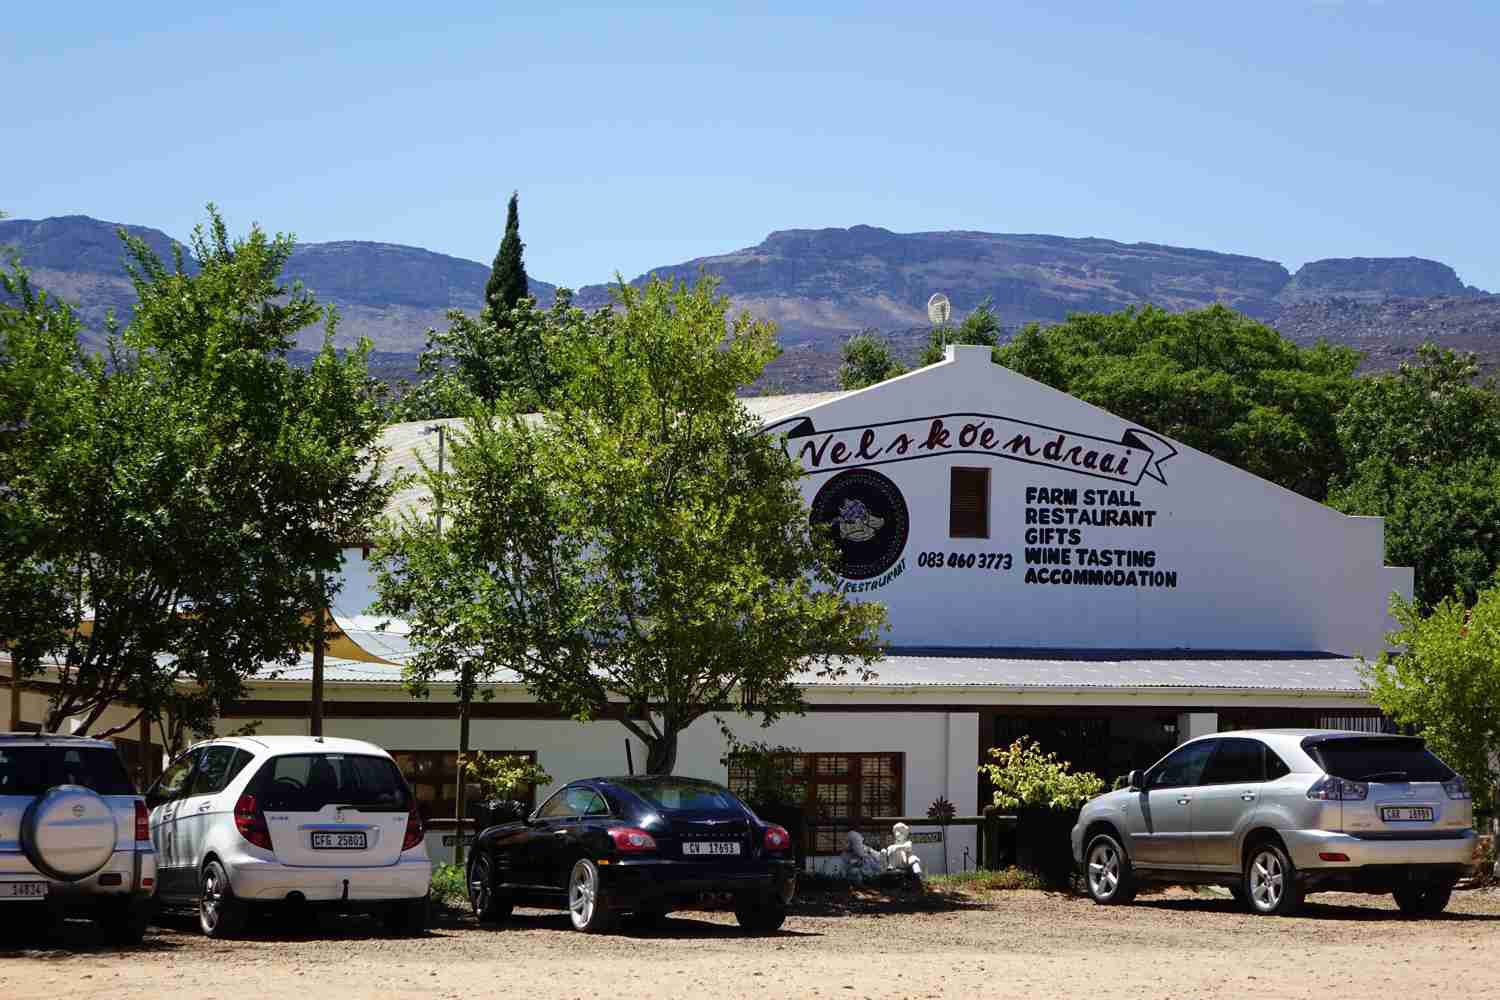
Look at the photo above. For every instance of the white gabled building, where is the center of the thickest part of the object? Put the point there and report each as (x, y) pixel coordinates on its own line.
(1050, 570)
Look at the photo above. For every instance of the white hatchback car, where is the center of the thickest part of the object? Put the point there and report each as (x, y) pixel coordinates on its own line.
(252, 820)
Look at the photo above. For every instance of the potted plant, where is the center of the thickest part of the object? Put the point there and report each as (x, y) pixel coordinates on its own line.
(1046, 796)
(505, 782)
(772, 793)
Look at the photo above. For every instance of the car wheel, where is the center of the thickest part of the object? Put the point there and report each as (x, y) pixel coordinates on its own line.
(760, 915)
(124, 921)
(1271, 882)
(588, 906)
(219, 913)
(1420, 902)
(1110, 878)
(409, 919)
(490, 906)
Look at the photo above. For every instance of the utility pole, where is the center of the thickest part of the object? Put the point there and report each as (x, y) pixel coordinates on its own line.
(466, 677)
(15, 697)
(315, 727)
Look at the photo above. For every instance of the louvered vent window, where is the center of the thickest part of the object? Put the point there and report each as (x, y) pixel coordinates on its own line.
(969, 504)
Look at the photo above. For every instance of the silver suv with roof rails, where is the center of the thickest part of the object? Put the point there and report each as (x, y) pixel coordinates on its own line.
(74, 836)
(1275, 814)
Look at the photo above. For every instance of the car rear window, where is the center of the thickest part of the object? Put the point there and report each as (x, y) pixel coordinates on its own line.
(306, 782)
(682, 796)
(1379, 759)
(33, 770)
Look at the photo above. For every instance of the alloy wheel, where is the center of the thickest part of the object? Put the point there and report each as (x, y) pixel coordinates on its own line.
(583, 894)
(212, 898)
(479, 886)
(1267, 880)
(1104, 869)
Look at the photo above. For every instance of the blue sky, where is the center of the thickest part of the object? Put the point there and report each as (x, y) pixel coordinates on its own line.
(647, 136)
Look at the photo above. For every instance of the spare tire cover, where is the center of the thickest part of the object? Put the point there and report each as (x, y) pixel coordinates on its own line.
(69, 833)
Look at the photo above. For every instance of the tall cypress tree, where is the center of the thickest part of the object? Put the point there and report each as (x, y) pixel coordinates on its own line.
(507, 285)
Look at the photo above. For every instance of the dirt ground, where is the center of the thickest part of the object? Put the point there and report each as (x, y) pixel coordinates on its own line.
(1010, 944)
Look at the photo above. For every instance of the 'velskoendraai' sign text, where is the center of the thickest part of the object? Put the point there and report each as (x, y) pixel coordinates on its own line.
(1138, 454)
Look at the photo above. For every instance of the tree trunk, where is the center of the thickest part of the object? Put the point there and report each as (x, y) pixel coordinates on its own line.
(661, 753)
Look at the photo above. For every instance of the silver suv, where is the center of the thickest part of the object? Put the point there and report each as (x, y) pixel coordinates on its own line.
(1275, 814)
(73, 836)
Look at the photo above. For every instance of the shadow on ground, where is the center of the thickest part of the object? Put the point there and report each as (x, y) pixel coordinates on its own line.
(1312, 909)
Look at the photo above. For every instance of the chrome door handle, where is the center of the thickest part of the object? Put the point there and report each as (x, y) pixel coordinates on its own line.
(1248, 796)
(1183, 802)
(559, 833)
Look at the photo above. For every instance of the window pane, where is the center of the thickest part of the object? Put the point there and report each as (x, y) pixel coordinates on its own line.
(969, 503)
(99, 770)
(310, 781)
(21, 771)
(1234, 761)
(1183, 767)
(173, 781)
(1377, 758)
(680, 796)
(1275, 766)
(213, 771)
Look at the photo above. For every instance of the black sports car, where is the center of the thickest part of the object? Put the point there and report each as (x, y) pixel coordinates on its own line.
(604, 846)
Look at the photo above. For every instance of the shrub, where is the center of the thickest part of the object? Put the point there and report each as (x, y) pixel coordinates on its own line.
(448, 886)
(1026, 778)
(1002, 880)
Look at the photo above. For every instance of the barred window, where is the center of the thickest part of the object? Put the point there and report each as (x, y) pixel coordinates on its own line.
(433, 777)
(839, 792)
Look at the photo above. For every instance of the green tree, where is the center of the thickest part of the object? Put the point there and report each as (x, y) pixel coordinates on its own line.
(641, 553)
(196, 495)
(1212, 378)
(980, 327)
(1423, 451)
(507, 285)
(868, 359)
(46, 398)
(1445, 681)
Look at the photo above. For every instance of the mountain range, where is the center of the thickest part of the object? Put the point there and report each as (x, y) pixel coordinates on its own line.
(821, 285)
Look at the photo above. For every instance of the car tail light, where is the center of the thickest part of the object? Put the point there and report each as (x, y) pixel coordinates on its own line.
(414, 831)
(630, 840)
(777, 839)
(1333, 789)
(1458, 788)
(142, 821)
(251, 822)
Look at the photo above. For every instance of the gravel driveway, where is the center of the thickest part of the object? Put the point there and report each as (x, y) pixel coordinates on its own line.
(1176, 944)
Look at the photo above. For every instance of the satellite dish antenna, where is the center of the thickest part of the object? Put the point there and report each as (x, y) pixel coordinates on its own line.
(939, 309)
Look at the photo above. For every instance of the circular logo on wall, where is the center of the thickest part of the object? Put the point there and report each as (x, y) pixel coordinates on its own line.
(866, 516)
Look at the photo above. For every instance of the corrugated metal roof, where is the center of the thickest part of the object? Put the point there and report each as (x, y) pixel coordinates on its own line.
(1004, 669)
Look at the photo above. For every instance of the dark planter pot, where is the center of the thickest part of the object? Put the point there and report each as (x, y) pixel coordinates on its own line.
(1043, 844)
(791, 816)
(492, 812)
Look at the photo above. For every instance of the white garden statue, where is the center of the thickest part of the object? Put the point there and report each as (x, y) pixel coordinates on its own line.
(901, 856)
(859, 861)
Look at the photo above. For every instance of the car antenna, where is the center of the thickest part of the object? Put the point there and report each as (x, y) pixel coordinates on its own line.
(629, 760)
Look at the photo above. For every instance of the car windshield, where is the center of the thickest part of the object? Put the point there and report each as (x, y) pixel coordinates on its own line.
(307, 782)
(33, 770)
(1380, 759)
(683, 796)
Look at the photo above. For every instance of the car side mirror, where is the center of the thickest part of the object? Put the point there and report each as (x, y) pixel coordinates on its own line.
(1137, 781)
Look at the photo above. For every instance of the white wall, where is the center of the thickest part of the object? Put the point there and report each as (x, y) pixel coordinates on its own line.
(941, 750)
(1258, 567)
